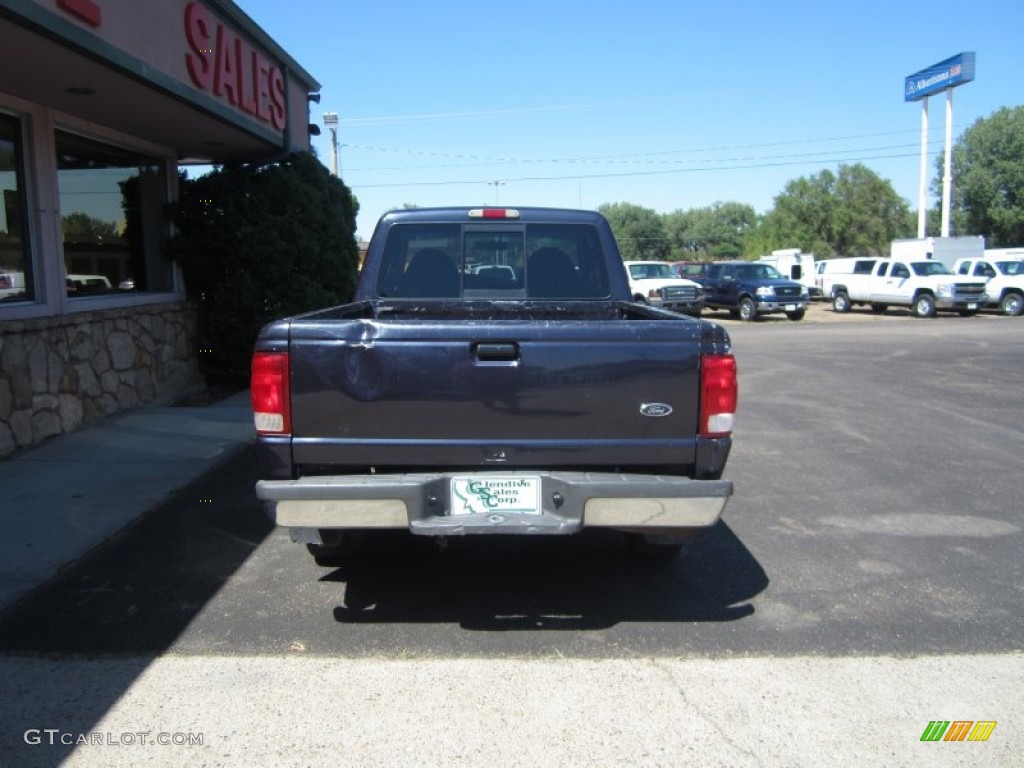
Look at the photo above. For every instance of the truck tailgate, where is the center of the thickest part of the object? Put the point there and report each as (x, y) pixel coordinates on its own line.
(472, 392)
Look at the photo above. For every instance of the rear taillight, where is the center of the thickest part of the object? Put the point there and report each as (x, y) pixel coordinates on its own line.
(271, 404)
(718, 395)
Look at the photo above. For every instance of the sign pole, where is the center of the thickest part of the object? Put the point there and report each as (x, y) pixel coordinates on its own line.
(944, 76)
(922, 188)
(947, 168)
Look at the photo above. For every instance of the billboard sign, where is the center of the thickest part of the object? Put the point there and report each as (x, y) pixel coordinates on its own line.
(938, 77)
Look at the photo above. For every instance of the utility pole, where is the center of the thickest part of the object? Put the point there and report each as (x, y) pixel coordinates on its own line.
(331, 121)
(496, 184)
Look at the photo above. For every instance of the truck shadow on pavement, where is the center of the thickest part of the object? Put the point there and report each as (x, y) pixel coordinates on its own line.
(584, 582)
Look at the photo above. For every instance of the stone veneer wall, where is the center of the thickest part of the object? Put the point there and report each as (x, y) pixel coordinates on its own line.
(58, 374)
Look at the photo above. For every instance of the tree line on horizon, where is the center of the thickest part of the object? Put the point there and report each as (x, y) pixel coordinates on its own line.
(851, 212)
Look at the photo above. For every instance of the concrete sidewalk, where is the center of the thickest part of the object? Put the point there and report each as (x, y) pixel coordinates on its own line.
(62, 499)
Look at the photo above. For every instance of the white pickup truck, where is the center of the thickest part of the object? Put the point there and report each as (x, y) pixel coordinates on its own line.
(923, 285)
(657, 284)
(1005, 287)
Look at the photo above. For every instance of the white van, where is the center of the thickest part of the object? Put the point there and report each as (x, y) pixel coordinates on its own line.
(830, 269)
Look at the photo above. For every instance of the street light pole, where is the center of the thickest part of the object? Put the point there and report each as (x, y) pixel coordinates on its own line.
(496, 184)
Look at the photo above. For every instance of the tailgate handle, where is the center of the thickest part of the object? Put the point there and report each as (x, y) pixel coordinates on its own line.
(490, 351)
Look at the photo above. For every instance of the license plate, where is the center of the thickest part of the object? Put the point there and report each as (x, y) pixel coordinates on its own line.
(791, 307)
(502, 495)
(972, 306)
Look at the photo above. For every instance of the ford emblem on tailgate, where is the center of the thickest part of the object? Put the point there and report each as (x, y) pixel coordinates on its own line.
(655, 409)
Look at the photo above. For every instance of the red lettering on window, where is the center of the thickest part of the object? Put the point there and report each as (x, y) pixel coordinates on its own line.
(83, 10)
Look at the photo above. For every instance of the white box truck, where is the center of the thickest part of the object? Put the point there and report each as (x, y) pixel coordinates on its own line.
(948, 250)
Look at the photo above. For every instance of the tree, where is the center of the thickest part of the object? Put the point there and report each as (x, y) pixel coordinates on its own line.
(716, 232)
(988, 179)
(80, 227)
(640, 232)
(261, 243)
(869, 214)
(852, 213)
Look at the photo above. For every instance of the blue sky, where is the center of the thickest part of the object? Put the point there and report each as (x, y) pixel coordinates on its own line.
(665, 104)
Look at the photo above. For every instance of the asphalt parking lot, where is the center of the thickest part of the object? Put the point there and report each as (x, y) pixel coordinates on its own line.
(864, 582)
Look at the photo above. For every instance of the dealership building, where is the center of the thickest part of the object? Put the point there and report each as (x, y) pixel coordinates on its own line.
(101, 103)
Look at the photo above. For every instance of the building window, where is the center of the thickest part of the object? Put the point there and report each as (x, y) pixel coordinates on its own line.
(112, 202)
(15, 266)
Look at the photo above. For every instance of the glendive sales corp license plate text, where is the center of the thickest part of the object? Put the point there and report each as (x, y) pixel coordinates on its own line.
(504, 495)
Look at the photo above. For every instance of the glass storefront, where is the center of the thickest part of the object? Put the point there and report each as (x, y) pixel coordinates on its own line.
(112, 204)
(15, 267)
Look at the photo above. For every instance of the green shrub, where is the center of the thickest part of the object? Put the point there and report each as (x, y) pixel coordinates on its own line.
(260, 243)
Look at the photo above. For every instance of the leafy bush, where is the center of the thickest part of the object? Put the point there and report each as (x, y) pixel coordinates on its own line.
(260, 243)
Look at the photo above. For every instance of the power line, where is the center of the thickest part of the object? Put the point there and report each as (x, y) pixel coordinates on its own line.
(804, 155)
(624, 174)
(626, 155)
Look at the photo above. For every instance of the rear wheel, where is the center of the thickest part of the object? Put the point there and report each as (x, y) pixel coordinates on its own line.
(338, 547)
(747, 309)
(797, 315)
(1012, 304)
(924, 306)
(653, 546)
(841, 302)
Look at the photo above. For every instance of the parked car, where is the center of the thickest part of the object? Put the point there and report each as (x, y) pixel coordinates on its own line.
(831, 270)
(1005, 286)
(656, 283)
(427, 406)
(749, 289)
(923, 285)
(86, 284)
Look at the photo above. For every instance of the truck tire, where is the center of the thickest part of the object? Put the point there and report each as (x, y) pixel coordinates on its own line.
(1012, 304)
(338, 547)
(646, 546)
(747, 309)
(841, 302)
(797, 315)
(924, 305)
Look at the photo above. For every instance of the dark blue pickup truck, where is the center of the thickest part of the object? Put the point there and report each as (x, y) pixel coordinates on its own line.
(492, 375)
(749, 289)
